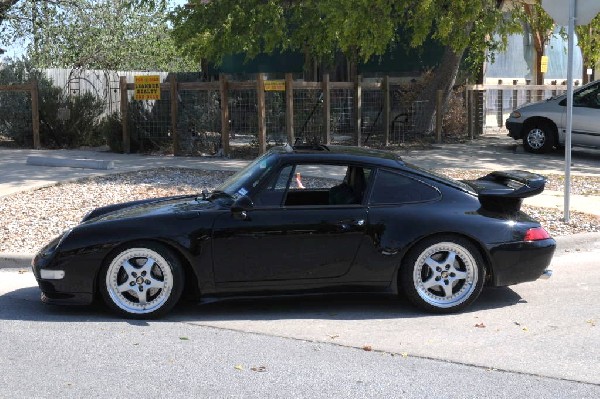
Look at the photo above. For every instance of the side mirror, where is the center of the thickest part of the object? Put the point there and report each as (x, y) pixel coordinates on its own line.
(241, 206)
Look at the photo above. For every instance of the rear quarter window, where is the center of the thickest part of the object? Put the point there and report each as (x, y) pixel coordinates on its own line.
(394, 188)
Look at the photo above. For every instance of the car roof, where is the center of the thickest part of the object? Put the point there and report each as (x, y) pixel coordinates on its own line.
(324, 152)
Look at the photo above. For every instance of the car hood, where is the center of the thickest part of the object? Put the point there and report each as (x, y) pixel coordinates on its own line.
(182, 207)
(540, 105)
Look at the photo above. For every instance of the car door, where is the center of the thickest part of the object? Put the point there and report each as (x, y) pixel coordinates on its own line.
(586, 117)
(296, 235)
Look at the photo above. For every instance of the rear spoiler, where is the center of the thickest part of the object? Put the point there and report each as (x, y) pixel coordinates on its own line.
(505, 190)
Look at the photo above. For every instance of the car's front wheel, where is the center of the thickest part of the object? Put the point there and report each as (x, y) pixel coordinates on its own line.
(142, 281)
(539, 137)
(443, 274)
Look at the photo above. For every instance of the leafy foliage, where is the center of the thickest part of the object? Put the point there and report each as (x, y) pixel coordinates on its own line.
(360, 29)
(80, 128)
(97, 34)
(589, 42)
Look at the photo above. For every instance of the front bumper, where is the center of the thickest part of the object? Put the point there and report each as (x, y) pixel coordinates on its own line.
(515, 129)
(67, 290)
(521, 262)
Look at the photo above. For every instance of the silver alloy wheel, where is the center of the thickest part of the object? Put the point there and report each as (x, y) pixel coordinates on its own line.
(445, 275)
(139, 280)
(536, 138)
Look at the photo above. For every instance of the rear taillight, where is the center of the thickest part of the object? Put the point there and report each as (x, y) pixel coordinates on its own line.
(537, 234)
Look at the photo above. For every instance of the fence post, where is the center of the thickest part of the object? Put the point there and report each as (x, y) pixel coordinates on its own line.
(289, 108)
(358, 109)
(439, 115)
(35, 114)
(326, 109)
(515, 95)
(124, 103)
(386, 110)
(500, 111)
(223, 87)
(469, 101)
(174, 133)
(479, 102)
(262, 118)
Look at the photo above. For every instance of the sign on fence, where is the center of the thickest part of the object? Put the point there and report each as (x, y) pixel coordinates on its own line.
(147, 87)
(274, 85)
(544, 64)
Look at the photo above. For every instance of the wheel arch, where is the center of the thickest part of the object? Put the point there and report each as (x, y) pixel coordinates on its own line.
(190, 290)
(485, 255)
(533, 120)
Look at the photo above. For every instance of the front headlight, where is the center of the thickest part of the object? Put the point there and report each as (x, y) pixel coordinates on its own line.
(515, 114)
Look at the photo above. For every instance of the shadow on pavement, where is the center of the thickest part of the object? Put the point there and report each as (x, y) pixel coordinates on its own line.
(24, 304)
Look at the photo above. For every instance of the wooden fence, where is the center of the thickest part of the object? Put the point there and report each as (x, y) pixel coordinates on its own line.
(224, 87)
(32, 88)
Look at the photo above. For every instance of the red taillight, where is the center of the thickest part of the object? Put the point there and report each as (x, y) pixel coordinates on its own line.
(536, 234)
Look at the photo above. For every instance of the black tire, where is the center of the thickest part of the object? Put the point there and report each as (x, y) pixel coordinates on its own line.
(443, 274)
(141, 280)
(539, 137)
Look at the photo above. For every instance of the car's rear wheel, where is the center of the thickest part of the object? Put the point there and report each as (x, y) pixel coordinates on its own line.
(539, 137)
(142, 281)
(443, 274)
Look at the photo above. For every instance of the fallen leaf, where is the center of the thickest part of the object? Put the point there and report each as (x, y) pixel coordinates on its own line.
(23, 271)
(367, 348)
(525, 329)
(259, 369)
(480, 325)
(404, 355)
(184, 338)
(238, 367)
(591, 322)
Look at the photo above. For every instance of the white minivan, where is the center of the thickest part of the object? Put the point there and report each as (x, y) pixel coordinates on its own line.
(542, 125)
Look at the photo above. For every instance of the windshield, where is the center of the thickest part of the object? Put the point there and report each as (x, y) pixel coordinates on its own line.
(248, 178)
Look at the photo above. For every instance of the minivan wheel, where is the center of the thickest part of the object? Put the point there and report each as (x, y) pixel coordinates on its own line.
(539, 137)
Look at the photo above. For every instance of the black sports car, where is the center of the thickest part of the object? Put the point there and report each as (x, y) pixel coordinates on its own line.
(305, 218)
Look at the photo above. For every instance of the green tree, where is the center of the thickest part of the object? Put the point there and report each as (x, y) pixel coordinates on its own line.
(5, 6)
(589, 41)
(360, 29)
(98, 34)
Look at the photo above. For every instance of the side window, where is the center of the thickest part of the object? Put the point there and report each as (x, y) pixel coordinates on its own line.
(394, 188)
(272, 193)
(316, 184)
(318, 177)
(590, 97)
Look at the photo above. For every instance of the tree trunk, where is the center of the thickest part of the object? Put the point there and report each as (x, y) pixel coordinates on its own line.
(443, 79)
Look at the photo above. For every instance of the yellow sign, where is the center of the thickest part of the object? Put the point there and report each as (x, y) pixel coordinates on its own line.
(274, 85)
(544, 64)
(147, 87)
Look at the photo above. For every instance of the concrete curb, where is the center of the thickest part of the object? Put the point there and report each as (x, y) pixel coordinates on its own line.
(576, 242)
(71, 163)
(15, 261)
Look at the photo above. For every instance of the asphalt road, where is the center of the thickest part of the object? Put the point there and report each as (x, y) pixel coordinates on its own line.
(539, 339)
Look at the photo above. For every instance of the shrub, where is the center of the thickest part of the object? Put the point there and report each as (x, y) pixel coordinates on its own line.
(84, 111)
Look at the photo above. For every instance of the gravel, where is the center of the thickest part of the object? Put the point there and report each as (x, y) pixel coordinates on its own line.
(30, 219)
